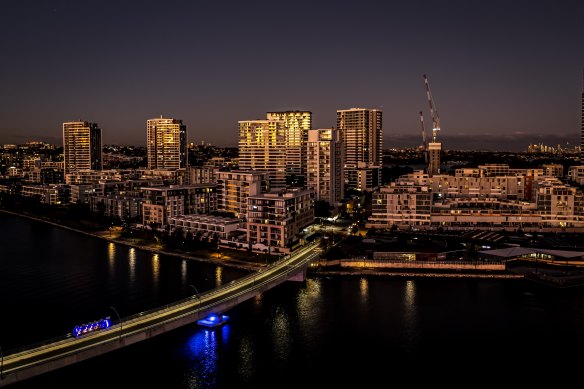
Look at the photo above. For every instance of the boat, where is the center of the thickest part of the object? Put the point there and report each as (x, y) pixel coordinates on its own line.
(213, 320)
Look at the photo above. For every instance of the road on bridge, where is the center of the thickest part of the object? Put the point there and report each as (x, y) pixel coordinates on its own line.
(146, 321)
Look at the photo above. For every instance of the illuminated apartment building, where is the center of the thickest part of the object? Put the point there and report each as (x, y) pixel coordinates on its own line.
(296, 124)
(82, 146)
(406, 204)
(262, 147)
(234, 187)
(324, 173)
(361, 133)
(166, 144)
(275, 219)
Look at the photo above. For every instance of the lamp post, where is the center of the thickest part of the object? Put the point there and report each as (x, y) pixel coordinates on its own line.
(198, 295)
(120, 319)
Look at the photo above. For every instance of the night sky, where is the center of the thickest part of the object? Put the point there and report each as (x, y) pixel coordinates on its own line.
(503, 73)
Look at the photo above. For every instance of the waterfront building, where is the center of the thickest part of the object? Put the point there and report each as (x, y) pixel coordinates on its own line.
(275, 219)
(401, 203)
(123, 207)
(160, 203)
(361, 134)
(166, 144)
(52, 194)
(81, 193)
(82, 149)
(325, 170)
(479, 203)
(262, 147)
(206, 226)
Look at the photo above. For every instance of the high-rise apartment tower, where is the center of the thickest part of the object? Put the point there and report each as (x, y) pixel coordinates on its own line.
(166, 144)
(296, 124)
(262, 147)
(325, 172)
(82, 146)
(361, 133)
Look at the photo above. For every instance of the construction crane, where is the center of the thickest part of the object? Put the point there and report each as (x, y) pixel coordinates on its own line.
(424, 146)
(433, 111)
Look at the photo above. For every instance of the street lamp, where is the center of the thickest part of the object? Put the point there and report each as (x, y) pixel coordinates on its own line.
(198, 295)
(120, 319)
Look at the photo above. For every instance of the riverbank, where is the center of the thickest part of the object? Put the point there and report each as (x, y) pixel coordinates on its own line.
(410, 274)
(547, 277)
(106, 235)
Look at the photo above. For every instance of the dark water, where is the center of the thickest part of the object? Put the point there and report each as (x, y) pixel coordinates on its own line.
(327, 332)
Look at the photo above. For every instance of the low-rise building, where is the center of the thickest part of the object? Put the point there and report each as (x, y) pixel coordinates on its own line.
(207, 226)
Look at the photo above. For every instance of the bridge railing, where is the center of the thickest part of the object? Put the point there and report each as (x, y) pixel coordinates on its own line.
(34, 347)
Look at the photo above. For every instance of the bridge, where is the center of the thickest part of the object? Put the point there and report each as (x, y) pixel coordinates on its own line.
(67, 350)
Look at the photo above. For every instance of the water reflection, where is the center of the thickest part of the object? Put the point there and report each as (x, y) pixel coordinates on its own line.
(247, 358)
(218, 276)
(308, 300)
(183, 271)
(410, 314)
(281, 334)
(111, 256)
(132, 265)
(155, 270)
(202, 351)
(364, 289)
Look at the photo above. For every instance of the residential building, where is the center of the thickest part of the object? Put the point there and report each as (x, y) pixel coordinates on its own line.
(82, 149)
(262, 147)
(325, 170)
(166, 144)
(275, 219)
(361, 134)
(296, 127)
(235, 186)
(205, 226)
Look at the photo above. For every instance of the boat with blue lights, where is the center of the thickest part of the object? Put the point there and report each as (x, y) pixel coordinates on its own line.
(213, 320)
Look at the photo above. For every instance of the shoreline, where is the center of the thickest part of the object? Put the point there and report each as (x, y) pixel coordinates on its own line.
(318, 272)
(134, 245)
(327, 273)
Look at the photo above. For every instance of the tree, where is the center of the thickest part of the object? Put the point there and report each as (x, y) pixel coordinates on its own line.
(322, 209)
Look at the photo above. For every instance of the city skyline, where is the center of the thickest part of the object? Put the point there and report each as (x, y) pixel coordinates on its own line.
(502, 75)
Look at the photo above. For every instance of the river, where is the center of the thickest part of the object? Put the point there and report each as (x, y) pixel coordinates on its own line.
(349, 331)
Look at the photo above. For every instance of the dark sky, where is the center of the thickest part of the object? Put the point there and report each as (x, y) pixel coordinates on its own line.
(503, 73)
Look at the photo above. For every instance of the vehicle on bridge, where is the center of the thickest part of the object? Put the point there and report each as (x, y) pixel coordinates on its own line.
(91, 327)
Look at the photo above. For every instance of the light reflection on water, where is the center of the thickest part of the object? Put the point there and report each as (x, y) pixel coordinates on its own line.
(202, 351)
(218, 276)
(410, 314)
(247, 357)
(111, 257)
(132, 265)
(308, 304)
(281, 334)
(155, 270)
(183, 271)
(364, 289)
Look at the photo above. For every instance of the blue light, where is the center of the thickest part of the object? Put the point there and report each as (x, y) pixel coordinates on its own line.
(213, 317)
(90, 327)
